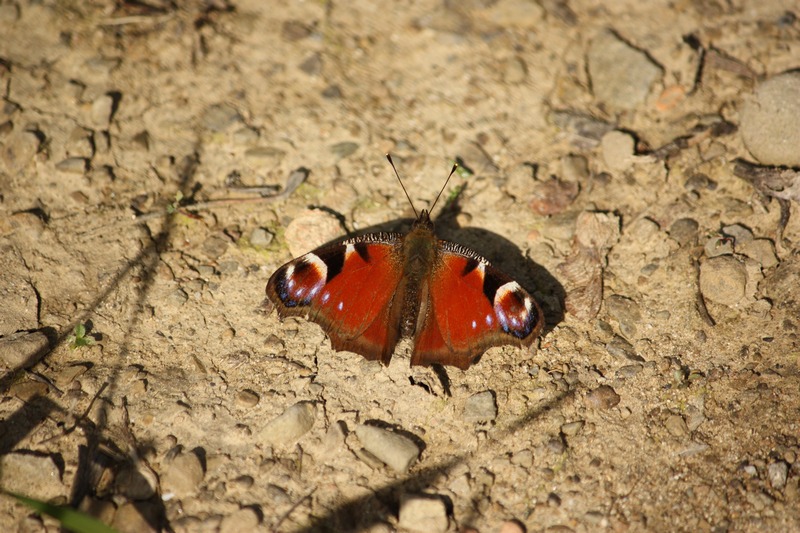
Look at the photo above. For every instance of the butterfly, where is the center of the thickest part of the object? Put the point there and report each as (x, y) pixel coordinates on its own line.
(370, 291)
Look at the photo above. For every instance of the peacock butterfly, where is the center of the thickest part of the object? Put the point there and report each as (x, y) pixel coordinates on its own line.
(368, 292)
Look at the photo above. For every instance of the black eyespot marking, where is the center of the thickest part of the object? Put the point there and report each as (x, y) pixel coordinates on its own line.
(281, 289)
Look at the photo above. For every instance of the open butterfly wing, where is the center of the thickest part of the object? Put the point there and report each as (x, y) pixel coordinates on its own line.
(329, 286)
(471, 306)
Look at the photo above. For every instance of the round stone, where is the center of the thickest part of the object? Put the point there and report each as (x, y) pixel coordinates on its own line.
(770, 122)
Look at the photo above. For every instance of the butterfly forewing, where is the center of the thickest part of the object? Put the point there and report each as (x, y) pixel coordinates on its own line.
(348, 289)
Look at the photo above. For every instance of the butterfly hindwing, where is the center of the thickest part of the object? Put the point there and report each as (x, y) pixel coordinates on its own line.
(348, 289)
(471, 306)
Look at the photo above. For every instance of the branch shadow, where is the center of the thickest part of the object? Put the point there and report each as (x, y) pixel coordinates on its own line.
(92, 461)
(362, 513)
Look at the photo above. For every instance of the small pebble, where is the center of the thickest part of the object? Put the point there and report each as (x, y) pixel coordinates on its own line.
(182, 475)
(480, 407)
(770, 121)
(219, 117)
(424, 513)
(511, 526)
(738, 233)
(309, 230)
(625, 311)
(603, 397)
(215, 246)
(228, 267)
(264, 152)
(35, 476)
(571, 429)
(628, 371)
(137, 517)
(312, 65)
(23, 350)
(523, 458)
(622, 349)
(575, 168)
(344, 149)
(290, 425)
(514, 71)
(73, 165)
(718, 245)
(760, 250)
(246, 398)
(177, 297)
(699, 182)
(684, 231)
(19, 150)
(621, 76)
(244, 519)
(723, 280)
(245, 136)
(553, 196)
(395, 450)
(103, 510)
(136, 482)
(618, 150)
(243, 482)
(260, 238)
(676, 425)
(102, 109)
(777, 473)
(295, 30)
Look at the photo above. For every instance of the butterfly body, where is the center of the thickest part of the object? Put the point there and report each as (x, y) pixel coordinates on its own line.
(370, 291)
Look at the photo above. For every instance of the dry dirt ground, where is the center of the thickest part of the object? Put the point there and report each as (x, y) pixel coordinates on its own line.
(647, 405)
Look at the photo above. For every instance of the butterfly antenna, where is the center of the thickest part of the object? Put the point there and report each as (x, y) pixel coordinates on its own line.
(452, 171)
(389, 157)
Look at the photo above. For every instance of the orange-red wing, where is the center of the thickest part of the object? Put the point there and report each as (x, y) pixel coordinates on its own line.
(348, 289)
(471, 306)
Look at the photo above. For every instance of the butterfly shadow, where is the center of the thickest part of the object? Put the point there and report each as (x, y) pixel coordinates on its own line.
(498, 250)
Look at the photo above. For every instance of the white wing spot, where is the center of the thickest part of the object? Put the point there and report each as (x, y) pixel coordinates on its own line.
(340, 306)
(474, 324)
(349, 250)
(482, 270)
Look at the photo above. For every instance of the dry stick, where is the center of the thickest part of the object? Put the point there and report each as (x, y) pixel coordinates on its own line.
(292, 508)
(296, 178)
(700, 302)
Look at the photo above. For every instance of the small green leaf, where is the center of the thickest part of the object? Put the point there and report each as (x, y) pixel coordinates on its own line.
(79, 338)
(68, 517)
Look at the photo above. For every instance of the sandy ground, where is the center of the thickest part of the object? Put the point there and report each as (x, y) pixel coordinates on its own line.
(645, 406)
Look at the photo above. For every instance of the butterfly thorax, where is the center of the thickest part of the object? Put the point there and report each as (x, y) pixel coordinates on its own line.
(419, 255)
